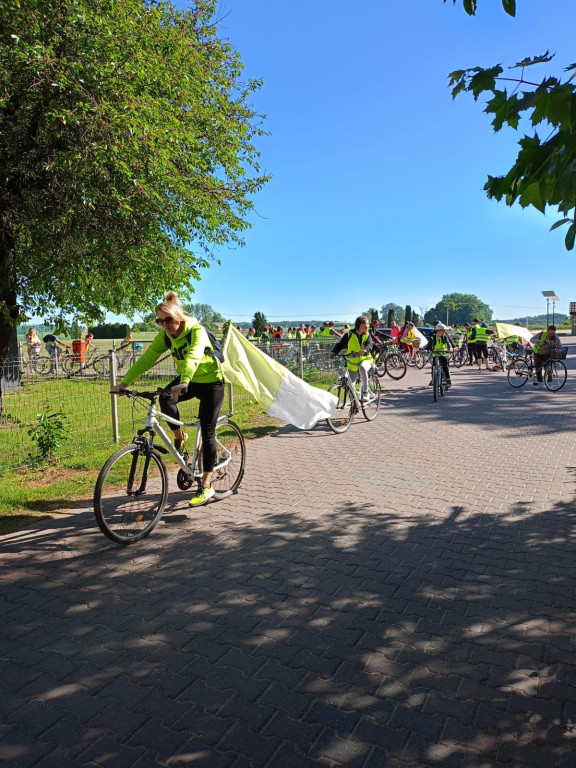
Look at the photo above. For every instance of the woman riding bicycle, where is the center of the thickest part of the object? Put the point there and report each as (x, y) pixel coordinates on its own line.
(199, 375)
(358, 343)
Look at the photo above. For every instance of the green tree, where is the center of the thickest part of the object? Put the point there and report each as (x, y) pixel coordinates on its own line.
(458, 308)
(390, 318)
(111, 330)
(398, 312)
(543, 174)
(126, 153)
(259, 322)
(408, 313)
(372, 314)
(205, 314)
(225, 329)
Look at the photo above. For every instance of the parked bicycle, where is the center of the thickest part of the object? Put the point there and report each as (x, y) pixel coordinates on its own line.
(132, 487)
(554, 371)
(388, 360)
(350, 402)
(35, 365)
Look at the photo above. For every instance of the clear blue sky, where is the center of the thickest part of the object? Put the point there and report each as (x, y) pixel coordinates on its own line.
(376, 193)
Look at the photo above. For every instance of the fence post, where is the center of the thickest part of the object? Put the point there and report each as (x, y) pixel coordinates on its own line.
(230, 398)
(300, 359)
(113, 400)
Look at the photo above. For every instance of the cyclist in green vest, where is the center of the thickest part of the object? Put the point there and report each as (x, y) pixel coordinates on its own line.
(544, 344)
(440, 344)
(481, 338)
(456, 335)
(471, 345)
(199, 375)
(358, 343)
(252, 336)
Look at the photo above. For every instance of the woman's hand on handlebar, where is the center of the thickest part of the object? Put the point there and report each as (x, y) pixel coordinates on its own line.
(178, 390)
(118, 389)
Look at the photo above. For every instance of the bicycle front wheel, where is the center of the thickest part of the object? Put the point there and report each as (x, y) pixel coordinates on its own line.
(435, 383)
(372, 406)
(230, 459)
(129, 501)
(555, 375)
(518, 373)
(395, 366)
(342, 416)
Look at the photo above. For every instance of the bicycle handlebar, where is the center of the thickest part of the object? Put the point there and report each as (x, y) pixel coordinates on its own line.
(152, 396)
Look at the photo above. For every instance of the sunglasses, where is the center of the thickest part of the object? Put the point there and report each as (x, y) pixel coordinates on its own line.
(164, 320)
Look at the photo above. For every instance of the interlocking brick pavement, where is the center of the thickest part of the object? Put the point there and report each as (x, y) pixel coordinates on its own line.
(399, 595)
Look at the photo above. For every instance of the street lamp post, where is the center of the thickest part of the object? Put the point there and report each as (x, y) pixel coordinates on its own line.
(550, 296)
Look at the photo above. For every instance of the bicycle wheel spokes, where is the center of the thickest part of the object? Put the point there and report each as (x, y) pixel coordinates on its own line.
(372, 406)
(342, 416)
(555, 375)
(231, 458)
(128, 505)
(518, 373)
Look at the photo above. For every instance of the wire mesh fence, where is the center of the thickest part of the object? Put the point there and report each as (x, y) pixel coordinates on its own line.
(80, 391)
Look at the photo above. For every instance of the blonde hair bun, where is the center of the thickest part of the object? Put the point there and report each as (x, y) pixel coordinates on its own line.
(172, 296)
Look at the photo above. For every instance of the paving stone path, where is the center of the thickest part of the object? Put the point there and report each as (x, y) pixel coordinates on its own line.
(400, 595)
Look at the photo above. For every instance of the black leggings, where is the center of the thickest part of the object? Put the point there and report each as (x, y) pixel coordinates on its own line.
(445, 369)
(211, 397)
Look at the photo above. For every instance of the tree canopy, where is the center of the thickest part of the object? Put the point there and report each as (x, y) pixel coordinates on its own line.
(544, 172)
(459, 308)
(127, 152)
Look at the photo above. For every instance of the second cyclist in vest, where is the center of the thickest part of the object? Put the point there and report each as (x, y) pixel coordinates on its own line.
(358, 344)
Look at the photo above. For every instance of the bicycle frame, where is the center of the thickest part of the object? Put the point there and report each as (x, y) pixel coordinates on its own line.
(153, 427)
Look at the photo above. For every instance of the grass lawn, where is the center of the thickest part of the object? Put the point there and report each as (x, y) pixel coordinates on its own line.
(27, 495)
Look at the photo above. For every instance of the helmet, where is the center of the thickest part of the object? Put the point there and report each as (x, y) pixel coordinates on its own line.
(441, 327)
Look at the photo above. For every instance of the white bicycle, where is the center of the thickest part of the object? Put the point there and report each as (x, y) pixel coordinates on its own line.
(132, 487)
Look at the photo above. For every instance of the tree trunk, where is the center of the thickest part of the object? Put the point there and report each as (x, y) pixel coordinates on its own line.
(9, 309)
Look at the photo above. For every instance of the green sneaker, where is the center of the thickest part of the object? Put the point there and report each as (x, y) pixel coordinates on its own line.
(201, 496)
(180, 446)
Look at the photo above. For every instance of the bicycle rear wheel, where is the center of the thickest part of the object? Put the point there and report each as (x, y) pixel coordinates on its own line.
(42, 364)
(370, 409)
(230, 459)
(555, 375)
(395, 366)
(342, 416)
(435, 383)
(128, 505)
(518, 373)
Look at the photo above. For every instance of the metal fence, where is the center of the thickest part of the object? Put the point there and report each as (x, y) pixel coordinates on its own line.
(81, 392)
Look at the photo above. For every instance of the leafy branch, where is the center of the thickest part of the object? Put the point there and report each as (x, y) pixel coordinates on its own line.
(471, 5)
(545, 169)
